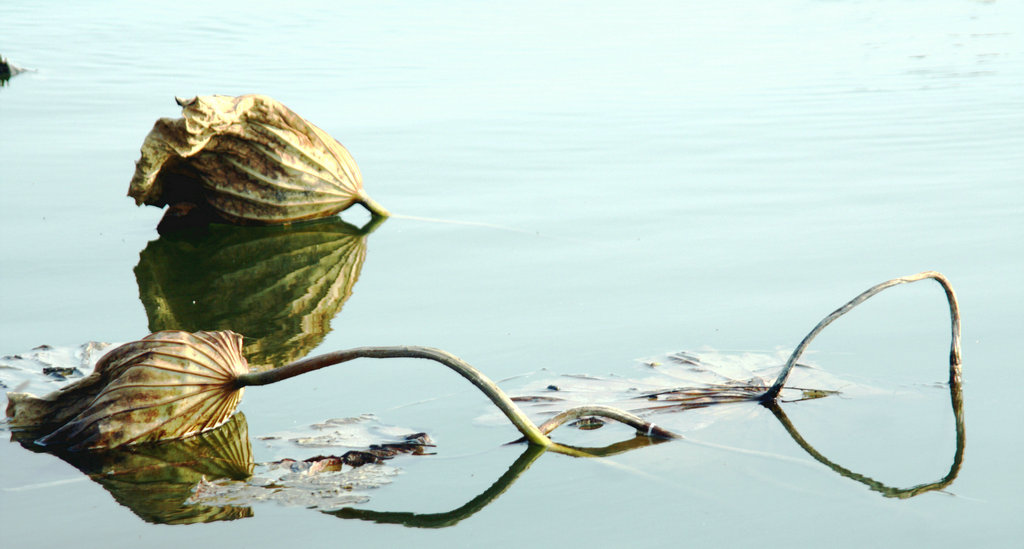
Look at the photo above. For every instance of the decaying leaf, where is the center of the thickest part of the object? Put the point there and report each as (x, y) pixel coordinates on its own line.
(169, 385)
(249, 158)
(279, 287)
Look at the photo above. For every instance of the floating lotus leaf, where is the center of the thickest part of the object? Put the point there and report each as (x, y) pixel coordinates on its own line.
(280, 287)
(169, 385)
(249, 158)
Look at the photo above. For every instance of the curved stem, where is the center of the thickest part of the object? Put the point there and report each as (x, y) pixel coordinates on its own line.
(477, 378)
(372, 205)
(954, 314)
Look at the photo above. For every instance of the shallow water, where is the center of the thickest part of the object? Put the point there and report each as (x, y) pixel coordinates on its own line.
(645, 180)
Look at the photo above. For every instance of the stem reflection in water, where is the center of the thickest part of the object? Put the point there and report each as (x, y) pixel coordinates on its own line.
(956, 398)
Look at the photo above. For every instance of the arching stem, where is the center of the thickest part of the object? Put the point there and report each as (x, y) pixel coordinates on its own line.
(530, 431)
(372, 205)
(477, 378)
(954, 315)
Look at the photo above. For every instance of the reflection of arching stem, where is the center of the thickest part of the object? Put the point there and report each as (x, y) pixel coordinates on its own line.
(956, 396)
(453, 517)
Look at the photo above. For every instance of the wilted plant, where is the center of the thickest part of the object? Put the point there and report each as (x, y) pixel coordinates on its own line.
(172, 385)
(169, 385)
(247, 160)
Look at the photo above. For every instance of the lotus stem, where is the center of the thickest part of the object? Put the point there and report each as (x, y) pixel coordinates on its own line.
(477, 378)
(372, 205)
(518, 418)
(954, 316)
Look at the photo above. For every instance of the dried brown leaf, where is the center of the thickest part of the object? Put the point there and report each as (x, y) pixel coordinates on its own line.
(250, 158)
(169, 385)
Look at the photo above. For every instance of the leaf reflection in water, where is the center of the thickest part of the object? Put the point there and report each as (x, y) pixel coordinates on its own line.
(279, 287)
(212, 476)
(156, 480)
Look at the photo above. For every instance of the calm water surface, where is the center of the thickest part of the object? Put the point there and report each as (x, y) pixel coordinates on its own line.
(643, 180)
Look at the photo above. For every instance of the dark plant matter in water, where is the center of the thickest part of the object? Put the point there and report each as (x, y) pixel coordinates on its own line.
(179, 388)
(8, 70)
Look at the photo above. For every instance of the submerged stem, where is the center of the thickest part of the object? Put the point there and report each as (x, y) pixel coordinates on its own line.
(642, 427)
(954, 316)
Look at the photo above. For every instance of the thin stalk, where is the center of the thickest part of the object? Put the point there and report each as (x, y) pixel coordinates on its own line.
(954, 315)
(477, 378)
(529, 431)
(372, 205)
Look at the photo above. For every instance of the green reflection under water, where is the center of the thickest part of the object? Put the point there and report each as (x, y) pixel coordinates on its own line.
(279, 287)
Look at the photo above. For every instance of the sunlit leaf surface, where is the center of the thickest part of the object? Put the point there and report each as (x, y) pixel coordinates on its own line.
(249, 158)
(169, 385)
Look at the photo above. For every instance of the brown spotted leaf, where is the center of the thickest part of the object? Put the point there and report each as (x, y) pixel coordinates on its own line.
(169, 385)
(249, 158)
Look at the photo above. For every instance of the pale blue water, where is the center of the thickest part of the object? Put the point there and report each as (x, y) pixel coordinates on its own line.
(677, 177)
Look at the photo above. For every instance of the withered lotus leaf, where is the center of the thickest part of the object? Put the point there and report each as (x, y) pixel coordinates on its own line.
(250, 158)
(169, 385)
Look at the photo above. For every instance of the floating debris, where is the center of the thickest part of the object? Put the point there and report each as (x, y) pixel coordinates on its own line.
(46, 366)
